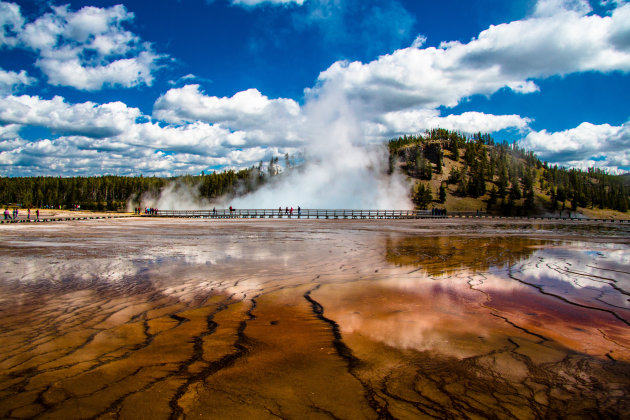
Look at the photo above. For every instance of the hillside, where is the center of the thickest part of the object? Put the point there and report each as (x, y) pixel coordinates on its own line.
(459, 173)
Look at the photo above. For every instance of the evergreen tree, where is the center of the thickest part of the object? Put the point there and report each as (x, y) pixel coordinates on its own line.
(574, 203)
(462, 187)
(477, 185)
(515, 191)
(442, 195)
(529, 201)
(623, 200)
(561, 195)
(422, 196)
(494, 195)
(423, 166)
(454, 176)
(503, 182)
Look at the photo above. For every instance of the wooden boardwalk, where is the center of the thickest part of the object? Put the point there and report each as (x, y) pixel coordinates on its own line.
(348, 214)
(304, 214)
(34, 219)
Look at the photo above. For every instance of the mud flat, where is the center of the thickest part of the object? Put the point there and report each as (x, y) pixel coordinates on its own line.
(145, 318)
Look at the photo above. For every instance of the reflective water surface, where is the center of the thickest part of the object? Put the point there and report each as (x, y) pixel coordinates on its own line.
(133, 318)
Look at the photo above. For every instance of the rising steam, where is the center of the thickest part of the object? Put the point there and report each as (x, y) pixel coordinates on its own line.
(176, 196)
(340, 171)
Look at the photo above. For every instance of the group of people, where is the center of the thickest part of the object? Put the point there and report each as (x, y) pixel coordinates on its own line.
(147, 210)
(15, 213)
(438, 212)
(289, 211)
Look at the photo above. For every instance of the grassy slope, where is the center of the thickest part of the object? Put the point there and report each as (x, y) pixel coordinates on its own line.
(542, 201)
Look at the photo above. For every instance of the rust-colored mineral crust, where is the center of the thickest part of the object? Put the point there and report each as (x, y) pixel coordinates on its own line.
(453, 318)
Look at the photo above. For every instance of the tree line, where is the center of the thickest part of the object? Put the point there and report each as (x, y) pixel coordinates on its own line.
(111, 192)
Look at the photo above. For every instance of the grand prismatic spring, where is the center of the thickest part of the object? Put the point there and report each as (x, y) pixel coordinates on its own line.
(148, 318)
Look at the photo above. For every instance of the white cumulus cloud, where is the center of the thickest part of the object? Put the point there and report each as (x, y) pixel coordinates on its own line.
(11, 22)
(11, 81)
(56, 114)
(418, 120)
(245, 108)
(269, 120)
(114, 138)
(88, 49)
(587, 145)
(509, 55)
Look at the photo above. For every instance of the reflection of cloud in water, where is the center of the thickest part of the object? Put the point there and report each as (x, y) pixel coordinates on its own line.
(119, 265)
(450, 314)
(28, 271)
(176, 271)
(441, 315)
(594, 275)
(187, 261)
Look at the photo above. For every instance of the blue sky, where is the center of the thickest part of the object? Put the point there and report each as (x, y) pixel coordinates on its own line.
(184, 86)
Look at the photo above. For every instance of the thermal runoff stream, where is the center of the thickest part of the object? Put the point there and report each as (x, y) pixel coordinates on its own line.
(452, 318)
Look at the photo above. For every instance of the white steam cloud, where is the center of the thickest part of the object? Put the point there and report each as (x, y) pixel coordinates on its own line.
(341, 169)
(176, 196)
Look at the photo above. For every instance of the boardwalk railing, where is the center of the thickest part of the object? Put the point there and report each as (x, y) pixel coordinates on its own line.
(306, 214)
(302, 214)
(350, 214)
(35, 219)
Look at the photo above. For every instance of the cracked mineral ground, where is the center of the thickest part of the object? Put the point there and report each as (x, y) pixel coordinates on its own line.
(293, 319)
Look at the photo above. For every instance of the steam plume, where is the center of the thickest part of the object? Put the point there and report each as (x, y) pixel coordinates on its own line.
(341, 169)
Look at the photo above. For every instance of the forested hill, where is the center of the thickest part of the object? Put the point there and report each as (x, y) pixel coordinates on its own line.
(458, 172)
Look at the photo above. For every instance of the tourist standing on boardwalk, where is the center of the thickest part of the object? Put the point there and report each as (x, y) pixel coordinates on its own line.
(7, 216)
(37, 213)
(28, 216)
